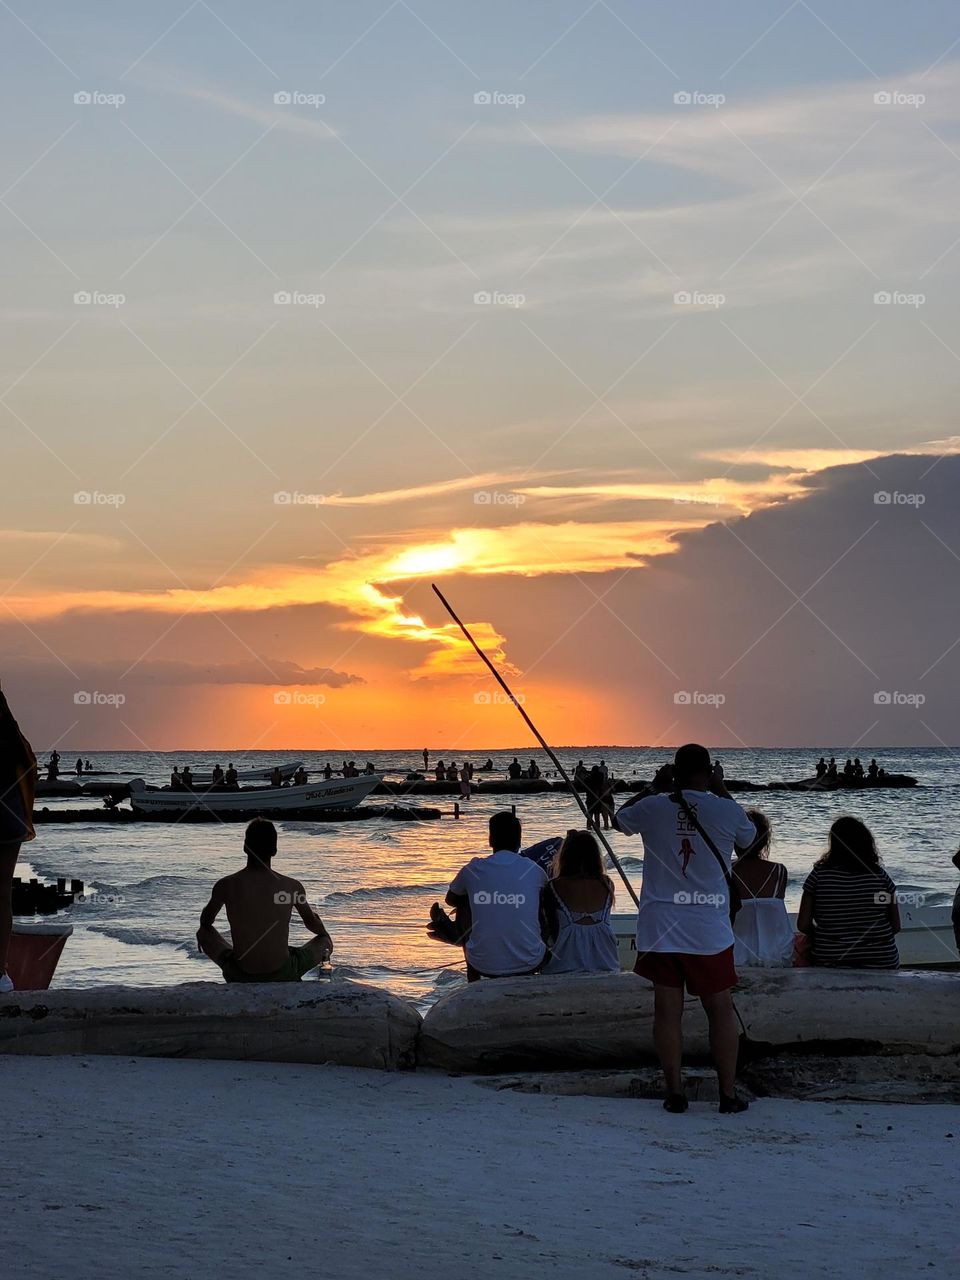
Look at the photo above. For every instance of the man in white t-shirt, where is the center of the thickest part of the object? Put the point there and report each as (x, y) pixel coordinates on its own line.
(684, 934)
(497, 902)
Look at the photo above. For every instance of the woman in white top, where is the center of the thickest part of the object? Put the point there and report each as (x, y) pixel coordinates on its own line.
(763, 934)
(577, 903)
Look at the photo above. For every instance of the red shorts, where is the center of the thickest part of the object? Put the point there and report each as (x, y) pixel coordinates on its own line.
(702, 975)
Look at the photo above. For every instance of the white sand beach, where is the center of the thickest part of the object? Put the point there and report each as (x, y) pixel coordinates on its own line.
(149, 1168)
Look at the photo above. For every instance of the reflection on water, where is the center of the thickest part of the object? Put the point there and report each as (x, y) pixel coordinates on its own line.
(373, 882)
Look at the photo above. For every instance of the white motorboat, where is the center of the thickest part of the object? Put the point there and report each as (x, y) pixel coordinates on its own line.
(250, 775)
(337, 793)
(925, 941)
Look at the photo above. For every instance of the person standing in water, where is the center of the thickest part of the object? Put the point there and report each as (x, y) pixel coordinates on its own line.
(426, 759)
(18, 781)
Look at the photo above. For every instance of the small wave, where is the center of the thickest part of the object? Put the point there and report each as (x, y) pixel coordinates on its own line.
(631, 861)
(385, 891)
(447, 977)
(142, 937)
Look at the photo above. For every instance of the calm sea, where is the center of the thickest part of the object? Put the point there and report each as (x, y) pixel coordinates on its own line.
(373, 882)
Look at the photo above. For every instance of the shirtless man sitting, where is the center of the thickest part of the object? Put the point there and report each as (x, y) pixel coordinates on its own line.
(259, 903)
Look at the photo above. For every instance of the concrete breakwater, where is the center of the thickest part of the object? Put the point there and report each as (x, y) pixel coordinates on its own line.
(581, 1023)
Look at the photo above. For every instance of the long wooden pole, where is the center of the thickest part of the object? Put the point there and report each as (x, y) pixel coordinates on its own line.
(543, 742)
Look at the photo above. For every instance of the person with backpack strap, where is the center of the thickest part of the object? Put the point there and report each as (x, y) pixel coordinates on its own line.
(689, 827)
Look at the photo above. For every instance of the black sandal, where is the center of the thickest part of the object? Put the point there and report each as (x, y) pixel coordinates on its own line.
(675, 1103)
(732, 1106)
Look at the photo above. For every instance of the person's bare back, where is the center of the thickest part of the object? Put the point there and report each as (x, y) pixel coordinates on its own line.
(259, 903)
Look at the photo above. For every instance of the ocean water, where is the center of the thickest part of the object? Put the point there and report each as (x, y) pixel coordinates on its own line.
(373, 882)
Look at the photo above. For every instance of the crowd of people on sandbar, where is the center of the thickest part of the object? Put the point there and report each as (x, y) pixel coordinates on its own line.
(852, 769)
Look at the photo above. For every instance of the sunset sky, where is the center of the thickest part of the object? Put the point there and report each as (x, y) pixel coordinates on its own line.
(309, 306)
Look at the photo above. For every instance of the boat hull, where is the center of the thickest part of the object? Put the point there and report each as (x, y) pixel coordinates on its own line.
(926, 939)
(339, 793)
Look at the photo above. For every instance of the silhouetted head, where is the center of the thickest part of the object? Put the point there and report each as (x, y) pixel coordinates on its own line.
(260, 841)
(505, 831)
(579, 856)
(691, 767)
(760, 848)
(851, 846)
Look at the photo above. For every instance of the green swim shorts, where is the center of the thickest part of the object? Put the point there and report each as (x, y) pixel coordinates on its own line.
(299, 961)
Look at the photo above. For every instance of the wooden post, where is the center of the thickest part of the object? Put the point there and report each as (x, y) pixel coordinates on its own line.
(456, 810)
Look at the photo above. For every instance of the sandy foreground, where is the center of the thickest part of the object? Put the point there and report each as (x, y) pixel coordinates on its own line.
(142, 1168)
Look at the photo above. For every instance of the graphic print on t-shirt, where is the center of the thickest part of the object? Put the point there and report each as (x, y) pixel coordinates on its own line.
(686, 853)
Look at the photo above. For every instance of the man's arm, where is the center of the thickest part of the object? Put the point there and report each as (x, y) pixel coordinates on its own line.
(310, 918)
(209, 939)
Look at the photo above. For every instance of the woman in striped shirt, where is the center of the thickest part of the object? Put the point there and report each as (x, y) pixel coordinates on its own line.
(849, 903)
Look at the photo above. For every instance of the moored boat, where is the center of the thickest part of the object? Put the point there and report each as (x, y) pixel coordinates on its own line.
(335, 793)
(925, 940)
